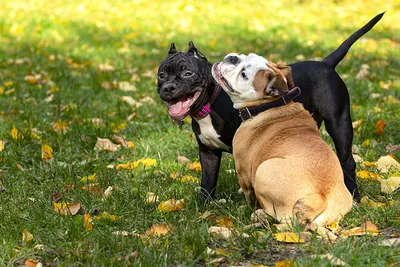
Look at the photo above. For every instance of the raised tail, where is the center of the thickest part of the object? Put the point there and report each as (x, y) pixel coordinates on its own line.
(336, 56)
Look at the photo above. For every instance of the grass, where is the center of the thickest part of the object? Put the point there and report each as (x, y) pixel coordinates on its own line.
(66, 41)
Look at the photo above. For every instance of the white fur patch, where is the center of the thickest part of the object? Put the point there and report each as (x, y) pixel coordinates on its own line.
(208, 135)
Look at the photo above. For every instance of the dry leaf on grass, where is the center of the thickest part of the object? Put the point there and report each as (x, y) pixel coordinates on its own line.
(172, 205)
(182, 159)
(285, 263)
(370, 203)
(367, 175)
(106, 216)
(105, 145)
(225, 232)
(88, 222)
(65, 208)
(289, 237)
(368, 164)
(380, 127)
(126, 86)
(385, 163)
(32, 263)
(157, 230)
(60, 127)
(357, 124)
(225, 221)
(2, 144)
(151, 198)
(147, 162)
(90, 178)
(390, 185)
(107, 192)
(26, 236)
(15, 134)
(131, 101)
(366, 228)
(196, 166)
(106, 67)
(47, 153)
(363, 74)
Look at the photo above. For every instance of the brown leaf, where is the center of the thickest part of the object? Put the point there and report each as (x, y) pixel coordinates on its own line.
(182, 159)
(87, 222)
(32, 263)
(105, 145)
(379, 127)
(65, 208)
(56, 197)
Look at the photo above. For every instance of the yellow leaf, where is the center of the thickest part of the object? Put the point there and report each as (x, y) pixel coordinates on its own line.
(147, 162)
(32, 79)
(225, 221)
(105, 145)
(370, 203)
(379, 127)
(357, 124)
(8, 83)
(368, 164)
(377, 109)
(284, 263)
(366, 143)
(26, 236)
(2, 144)
(60, 127)
(32, 263)
(47, 153)
(390, 185)
(171, 205)
(130, 144)
(220, 231)
(196, 166)
(189, 178)
(367, 175)
(385, 163)
(288, 237)
(151, 198)
(87, 222)
(107, 216)
(366, 227)
(157, 230)
(90, 178)
(64, 208)
(15, 134)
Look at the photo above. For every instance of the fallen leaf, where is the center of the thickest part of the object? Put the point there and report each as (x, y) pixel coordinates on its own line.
(390, 185)
(385, 86)
(15, 134)
(370, 203)
(363, 73)
(119, 140)
(182, 159)
(108, 85)
(385, 163)
(2, 144)
(368, 164)
(130, 144)
(56, 197)
(157, 230)
(47, 153)
(32, 79)
(32, 263)
(147, 162)
(151, 198)
(225, 221)
(189, 178)
(358, 123)
(284, 263)
(65, 208)
(60, 127)
(88, 222)
(334, 227)
(126, 87)
(367, 175)
(224, 232)
(106, 68)
(107, 192)
(288, 237)
(106, 216)
(357, 158)
(379, 127)
(132, 102)
(26, 236)
(90, 178)
(216, 261)
(171, 205)
(196, 166)
(366, 227)
(105, 145)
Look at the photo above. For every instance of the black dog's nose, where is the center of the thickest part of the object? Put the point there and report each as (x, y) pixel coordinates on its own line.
(169, 88)
(232, 59)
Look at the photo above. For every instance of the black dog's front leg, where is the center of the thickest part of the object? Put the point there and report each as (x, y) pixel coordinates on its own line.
(210, 162)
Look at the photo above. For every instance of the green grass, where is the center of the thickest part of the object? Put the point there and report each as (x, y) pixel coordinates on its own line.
(66, 41)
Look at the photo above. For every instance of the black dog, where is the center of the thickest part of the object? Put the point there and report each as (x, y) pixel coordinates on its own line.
(187, 87)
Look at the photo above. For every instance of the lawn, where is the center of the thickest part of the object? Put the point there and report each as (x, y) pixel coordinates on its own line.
(75, 71)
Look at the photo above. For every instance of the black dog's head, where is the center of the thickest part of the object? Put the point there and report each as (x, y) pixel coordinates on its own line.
(184, 81)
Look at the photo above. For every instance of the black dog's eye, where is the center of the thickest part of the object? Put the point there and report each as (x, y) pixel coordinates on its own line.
(188, 74)
(161, 76)
(244, 74)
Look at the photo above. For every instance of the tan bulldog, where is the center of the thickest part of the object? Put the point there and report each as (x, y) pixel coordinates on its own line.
(283, 164)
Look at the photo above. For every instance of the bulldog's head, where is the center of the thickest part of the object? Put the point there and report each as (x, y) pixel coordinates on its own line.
(183, 81)
(249, 79)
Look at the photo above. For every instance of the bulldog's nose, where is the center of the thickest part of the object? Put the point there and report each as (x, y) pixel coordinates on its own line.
(169, 88)
(232, 59)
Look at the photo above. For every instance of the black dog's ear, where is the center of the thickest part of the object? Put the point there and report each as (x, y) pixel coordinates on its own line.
(172, 49)
(193, 51)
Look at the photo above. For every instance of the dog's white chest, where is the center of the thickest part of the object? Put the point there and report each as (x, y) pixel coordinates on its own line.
(208, 135)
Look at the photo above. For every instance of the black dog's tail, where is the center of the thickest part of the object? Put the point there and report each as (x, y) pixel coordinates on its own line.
(336, 56)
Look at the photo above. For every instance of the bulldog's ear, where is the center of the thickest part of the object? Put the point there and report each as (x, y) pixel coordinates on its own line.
(193, 51)
(282, 79)
(172, 49)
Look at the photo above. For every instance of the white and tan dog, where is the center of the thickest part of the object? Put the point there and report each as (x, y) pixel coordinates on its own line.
(281, 160)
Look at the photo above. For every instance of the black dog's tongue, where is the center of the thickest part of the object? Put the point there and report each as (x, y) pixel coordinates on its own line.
(180, 108)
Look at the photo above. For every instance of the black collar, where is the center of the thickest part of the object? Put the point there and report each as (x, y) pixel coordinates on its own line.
(248, 112)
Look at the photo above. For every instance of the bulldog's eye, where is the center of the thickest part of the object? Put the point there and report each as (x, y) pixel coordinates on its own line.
(161, 76)
(244, 75)
(188, 74)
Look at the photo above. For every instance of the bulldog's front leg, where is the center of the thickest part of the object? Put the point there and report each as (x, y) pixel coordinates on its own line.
(210, 162)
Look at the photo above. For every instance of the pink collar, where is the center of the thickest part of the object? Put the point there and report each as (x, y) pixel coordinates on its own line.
(205, 109)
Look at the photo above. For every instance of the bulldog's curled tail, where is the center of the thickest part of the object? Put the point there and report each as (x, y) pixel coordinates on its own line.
(336, 56)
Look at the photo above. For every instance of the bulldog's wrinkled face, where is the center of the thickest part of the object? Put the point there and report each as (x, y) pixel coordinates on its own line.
(251, 78)
(182, 80)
